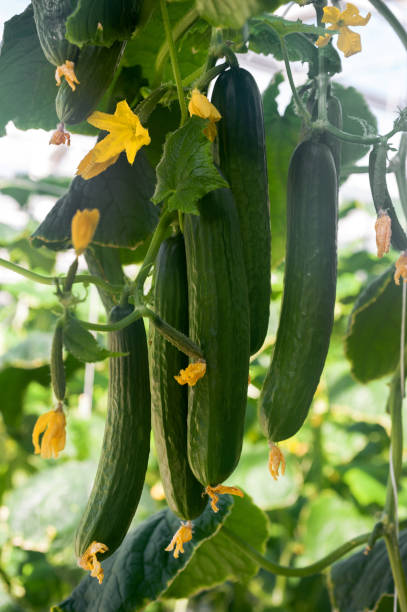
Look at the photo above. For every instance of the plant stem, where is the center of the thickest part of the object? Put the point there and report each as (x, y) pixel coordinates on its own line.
(174, 61)
(281, 570)
(179, 29)
(392, 546)
(345, 136)
(53, 280)
(300, 106)
(158, 236)
(203, 81)
(139, 311)
(390, 17)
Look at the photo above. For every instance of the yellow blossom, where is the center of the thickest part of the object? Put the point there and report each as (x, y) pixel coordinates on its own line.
(214, 493)
(348, 41)
(276, 461)
(89, 560)
(84, 223)
(192, 374)
(125, 133)
(383, 233)
(199, 105)
(52, 425)
(183, 535)
(68, 71)
(89, 167)
(60, 136)
(401, 268)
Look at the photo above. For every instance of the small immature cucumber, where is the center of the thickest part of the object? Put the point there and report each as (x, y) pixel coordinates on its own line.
(57, 363)
(169, 400)
(123, 462)
(241, 152)
(219, 323)
(95, 68)
(307, 310)
(50, 18)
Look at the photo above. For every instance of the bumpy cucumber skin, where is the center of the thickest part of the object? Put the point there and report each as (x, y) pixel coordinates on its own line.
(126, 444)
(219, 323)
(50, 18)
(307, 311)
(169, 400)
(94, 69)
(241, 152)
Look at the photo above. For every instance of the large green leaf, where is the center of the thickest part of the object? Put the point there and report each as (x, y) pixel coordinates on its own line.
(141, 570)
(372, 342)
(186, 171)
(282, 135)
(81, 344)
(361, 581)
(118, 20)
(233, 13)
(122, 193)
(357, 119)
(219, 559)
(27, 80)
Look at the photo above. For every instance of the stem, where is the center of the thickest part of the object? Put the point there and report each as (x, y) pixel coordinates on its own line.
(203, 81)
(179, 29)
(53, 280)
(345, 136)
(70, 277)
(301, 108)
(144, 109)
(390, 17)
(177, 338)
(138, 312)
(396, 565)
(158, 237)
(281, 570)
(174, 61)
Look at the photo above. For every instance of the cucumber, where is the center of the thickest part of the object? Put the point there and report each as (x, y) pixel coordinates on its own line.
(50, 18)
(334, 115)
(241, 153)
(307, 311)
(219, 322)
(169, 400)
(123, 462)
(95, 68)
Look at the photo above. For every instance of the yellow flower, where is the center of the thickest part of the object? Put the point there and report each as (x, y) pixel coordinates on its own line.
(183, 535)
(192, 374)
(276, 461)
(89, 561)
(60, 136)
(52, 423)
(348, 41)
(401, 268)
(84, 223)
(68, 71)
(89, 167)
(214, 493)
(126, 133)
(199, 105)
(383, 233)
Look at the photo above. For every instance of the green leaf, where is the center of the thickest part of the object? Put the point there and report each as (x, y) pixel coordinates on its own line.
(359, 582)
(27, 80)
(141, 570)
(186, 171)
(81, 344)
(122, 193)
(282, 135)
(233, 13)
(357, 119)
(219, 559)
(118, 20)
(372, 342)
(285, 26)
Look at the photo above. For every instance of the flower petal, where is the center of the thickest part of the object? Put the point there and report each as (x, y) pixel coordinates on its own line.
(89, 167)
(350, 16)
(199, 105)
(111, 145)
(83, 227)
(191, 374)
(348, 41)
(322, 41)
(135, 144)
(331, 14)
(40, 426)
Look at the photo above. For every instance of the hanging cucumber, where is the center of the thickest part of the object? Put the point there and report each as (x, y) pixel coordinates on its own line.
(307, 310)
(219, 322)
(50, 18)
(94, 68)
(241, 152)
(381, 197)
(169, 400)
(123, 462)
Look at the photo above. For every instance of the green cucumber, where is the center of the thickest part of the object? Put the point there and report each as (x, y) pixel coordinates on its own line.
(334, 115)
(50, 18)
(169, 400)
(381, 196)
(307, 311)
(241, 152)
(219, 323)
(95, 68)
(123, 462)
